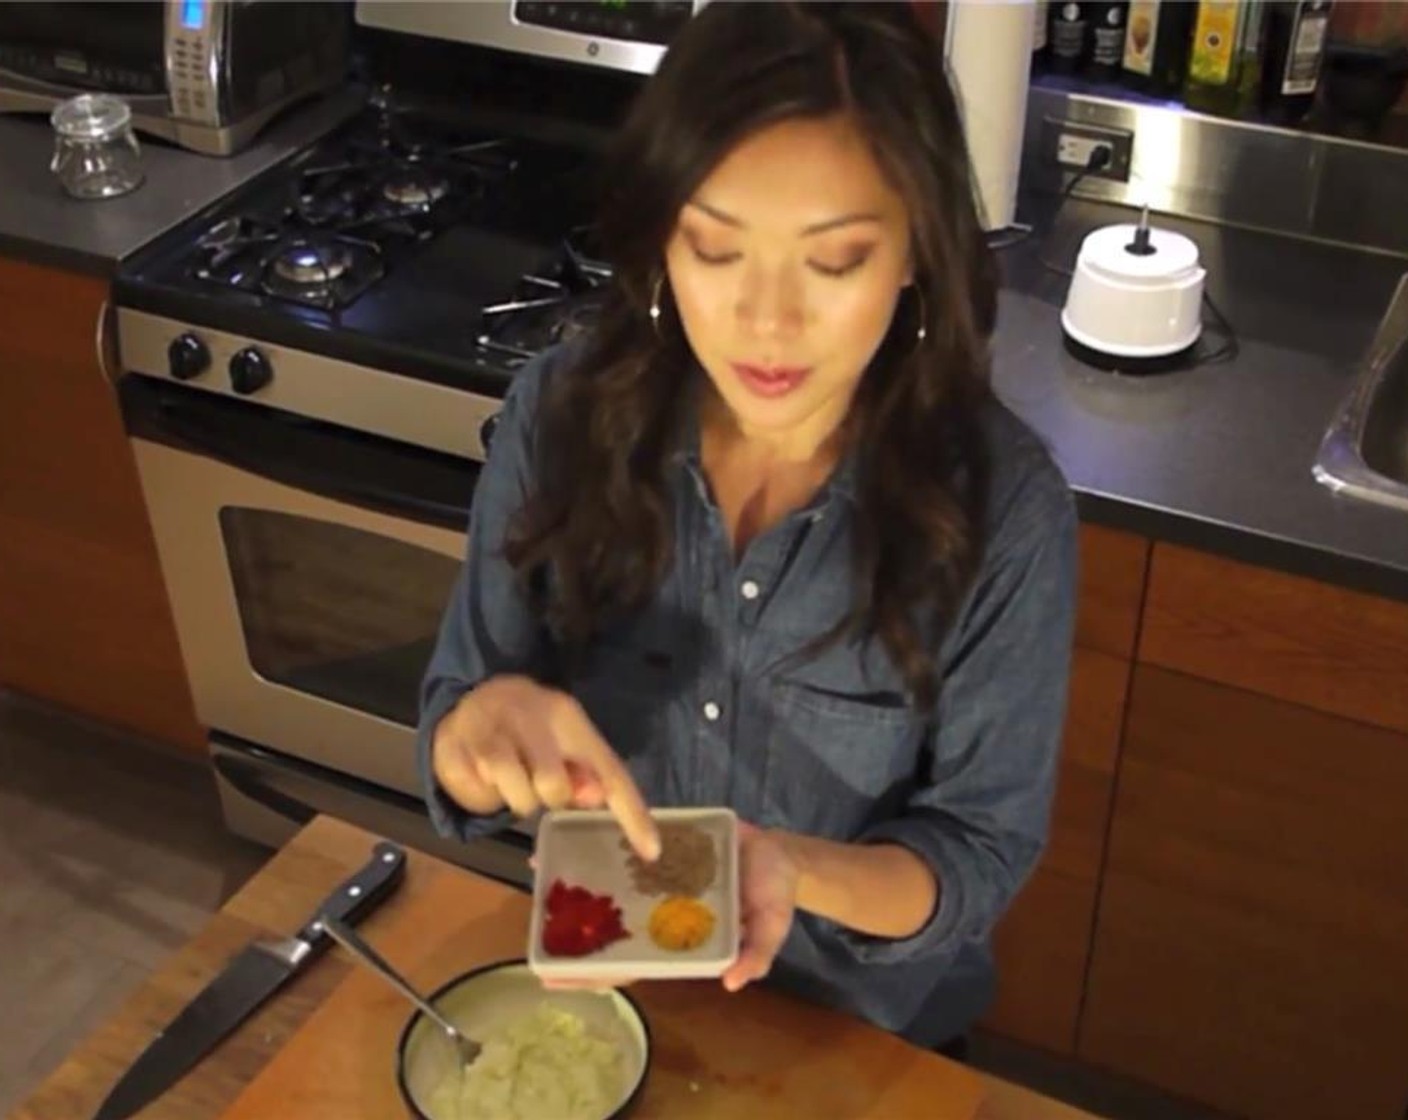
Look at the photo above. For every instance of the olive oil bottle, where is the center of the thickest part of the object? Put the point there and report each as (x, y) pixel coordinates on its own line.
(1156, 46)
(1222, 57)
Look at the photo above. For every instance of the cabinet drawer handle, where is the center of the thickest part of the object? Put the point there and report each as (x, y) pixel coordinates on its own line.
(100, 341)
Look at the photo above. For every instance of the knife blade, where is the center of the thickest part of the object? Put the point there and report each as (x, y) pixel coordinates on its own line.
(252, 975)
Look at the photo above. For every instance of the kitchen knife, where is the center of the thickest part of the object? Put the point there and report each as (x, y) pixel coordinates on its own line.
(251, 977)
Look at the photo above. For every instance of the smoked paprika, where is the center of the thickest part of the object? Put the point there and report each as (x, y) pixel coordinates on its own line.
(578, 922)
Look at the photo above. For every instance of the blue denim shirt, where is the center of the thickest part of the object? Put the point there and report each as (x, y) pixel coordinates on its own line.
(700, 695)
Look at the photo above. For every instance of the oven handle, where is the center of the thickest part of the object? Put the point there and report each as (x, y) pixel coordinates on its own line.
(245, 778)
(248, 775)
(373, 472)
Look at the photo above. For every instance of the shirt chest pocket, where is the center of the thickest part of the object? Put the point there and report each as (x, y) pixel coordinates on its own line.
(838, 754)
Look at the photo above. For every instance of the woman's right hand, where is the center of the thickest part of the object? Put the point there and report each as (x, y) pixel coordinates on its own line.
(512, 742)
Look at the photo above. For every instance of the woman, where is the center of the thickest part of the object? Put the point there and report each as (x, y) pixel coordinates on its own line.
(766, 540)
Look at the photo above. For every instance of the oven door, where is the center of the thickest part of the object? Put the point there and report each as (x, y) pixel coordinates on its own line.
(307, 566)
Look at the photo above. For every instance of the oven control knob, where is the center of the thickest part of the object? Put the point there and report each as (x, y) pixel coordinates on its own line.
(187, 357)
(487, 430)
(250, 371)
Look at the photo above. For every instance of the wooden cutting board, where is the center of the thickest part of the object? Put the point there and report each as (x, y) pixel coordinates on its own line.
(716, 1056)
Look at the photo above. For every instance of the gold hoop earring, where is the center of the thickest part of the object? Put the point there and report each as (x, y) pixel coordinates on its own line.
(655, 305)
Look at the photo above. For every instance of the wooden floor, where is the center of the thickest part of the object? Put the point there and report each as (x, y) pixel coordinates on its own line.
(112, 854)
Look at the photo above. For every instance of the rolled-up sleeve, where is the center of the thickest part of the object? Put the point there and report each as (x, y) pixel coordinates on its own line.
(488, 627)
(979, 816)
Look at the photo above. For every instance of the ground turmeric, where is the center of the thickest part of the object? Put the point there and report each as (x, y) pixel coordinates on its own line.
(680, 923)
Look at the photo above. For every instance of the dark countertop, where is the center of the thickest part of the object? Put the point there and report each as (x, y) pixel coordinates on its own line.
(40, 223)
(1219, 457)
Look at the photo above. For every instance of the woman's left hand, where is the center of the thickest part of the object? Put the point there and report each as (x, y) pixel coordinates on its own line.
(767, 892)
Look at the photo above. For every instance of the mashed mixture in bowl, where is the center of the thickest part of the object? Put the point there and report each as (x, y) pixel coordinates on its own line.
(546, 1064)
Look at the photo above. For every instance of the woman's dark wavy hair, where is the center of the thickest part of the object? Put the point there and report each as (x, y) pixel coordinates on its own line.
(594, 540)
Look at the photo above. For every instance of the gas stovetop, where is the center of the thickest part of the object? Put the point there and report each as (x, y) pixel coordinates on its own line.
(406, 243)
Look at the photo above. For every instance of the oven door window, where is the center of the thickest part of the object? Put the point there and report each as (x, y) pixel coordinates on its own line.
(336, 612)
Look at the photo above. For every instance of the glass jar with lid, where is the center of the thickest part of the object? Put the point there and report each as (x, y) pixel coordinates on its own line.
(95, 151)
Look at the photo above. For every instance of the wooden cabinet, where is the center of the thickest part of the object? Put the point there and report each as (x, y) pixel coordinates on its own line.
(1252, 943)
(1331, 649)
(1113, 569)
(1043, 943)
(84, 620)
(1222, 910)
(1249, 948)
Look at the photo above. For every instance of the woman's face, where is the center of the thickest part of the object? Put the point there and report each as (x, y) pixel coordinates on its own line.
(786, 265)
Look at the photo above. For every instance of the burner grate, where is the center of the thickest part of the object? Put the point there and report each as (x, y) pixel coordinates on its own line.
(349, 212)
(550, 307)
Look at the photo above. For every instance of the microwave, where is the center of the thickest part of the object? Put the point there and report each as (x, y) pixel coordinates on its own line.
(207, 75)
(627, 35)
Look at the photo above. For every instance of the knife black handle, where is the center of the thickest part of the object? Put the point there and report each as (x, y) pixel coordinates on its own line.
(358, 895)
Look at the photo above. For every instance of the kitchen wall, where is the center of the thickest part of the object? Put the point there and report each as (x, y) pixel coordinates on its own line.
(1372, 23)
(1285, 181)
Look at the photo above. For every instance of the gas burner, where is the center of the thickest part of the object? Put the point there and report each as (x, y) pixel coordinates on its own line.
(307, 264)
(348, 220)
(412, 187)
(326, 272)
(400, 184)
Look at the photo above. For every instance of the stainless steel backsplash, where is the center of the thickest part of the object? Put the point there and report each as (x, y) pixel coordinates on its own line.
(1256, 176)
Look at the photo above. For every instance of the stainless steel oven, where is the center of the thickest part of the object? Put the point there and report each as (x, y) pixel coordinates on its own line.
(310, 371)
(309, 540)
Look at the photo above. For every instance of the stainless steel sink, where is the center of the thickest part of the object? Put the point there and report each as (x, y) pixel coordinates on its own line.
(1365, 450)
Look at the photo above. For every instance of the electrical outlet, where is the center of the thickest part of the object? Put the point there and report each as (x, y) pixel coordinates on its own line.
(1071, 143)
(1077, 151)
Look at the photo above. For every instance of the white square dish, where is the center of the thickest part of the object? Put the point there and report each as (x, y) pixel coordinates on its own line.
(586, 849)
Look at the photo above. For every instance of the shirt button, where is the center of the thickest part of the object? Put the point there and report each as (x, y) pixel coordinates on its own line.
(712, 711)
(750, 589)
